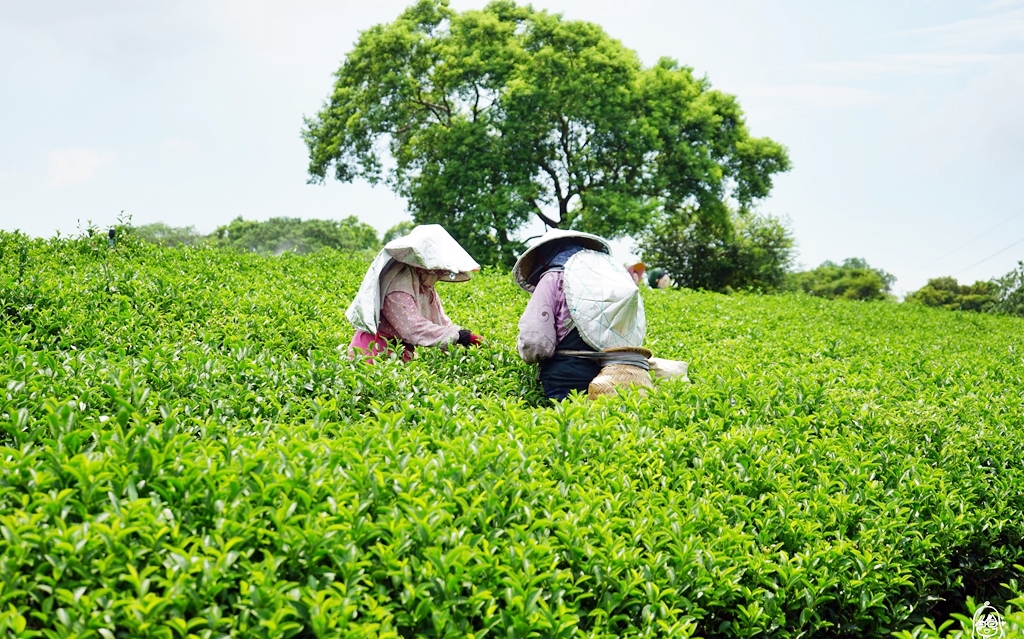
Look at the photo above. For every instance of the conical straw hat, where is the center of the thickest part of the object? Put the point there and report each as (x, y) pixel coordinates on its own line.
(527, 266)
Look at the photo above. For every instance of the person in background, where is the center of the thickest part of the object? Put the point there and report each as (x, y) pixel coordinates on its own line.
(397, 300)
(582, 303)
(636, 271)
(659, 278)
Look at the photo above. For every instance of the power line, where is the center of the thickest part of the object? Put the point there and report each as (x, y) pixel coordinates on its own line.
(991, 256)
(971, 241)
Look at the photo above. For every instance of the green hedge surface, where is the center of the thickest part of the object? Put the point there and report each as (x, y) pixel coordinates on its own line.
(188, 452)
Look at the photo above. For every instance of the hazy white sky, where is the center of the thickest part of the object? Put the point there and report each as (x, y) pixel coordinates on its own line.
(904, 120)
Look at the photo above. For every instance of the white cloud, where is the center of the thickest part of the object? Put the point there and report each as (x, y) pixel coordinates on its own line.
(985, 31)
(69, 167)
(918, 63)
(968, 45)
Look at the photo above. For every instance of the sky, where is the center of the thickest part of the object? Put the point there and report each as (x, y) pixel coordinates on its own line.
(904, 120)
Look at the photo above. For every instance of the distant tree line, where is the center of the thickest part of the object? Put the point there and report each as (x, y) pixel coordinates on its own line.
(276, 235)
(751, 252)
(755, 253)
(1000, 295)
(748, 252)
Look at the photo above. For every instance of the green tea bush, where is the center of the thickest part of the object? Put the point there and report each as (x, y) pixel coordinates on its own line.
(188, 452)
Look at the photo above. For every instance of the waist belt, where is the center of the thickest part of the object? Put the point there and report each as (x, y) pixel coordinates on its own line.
(608, 359)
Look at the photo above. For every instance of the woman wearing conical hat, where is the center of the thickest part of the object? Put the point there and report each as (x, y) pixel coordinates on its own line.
(583, 305)
(397, 300)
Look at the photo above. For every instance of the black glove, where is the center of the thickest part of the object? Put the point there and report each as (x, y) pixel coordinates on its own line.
(469, 339)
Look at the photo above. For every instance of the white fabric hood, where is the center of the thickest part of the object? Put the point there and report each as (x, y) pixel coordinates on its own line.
(604, 302)
(427, 246)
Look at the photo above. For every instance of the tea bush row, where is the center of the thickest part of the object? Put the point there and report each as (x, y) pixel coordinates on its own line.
(187, 451)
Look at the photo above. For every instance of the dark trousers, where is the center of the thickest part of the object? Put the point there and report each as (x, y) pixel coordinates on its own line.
(562, 374)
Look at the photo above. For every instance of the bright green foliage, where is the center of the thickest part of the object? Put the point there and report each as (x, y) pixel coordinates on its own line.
(188, 452)
(854, 279)
(1011, 292)
(750, 252)
(288, 234)
(493, 117)
(164, 235)
(945, 292)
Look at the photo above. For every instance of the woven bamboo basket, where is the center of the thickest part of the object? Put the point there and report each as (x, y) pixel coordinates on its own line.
(615, 376)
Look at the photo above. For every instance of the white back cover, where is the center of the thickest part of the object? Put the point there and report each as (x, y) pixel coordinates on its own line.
(603, 300)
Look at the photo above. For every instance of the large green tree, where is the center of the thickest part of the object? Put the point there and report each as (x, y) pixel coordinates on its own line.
(494, 117)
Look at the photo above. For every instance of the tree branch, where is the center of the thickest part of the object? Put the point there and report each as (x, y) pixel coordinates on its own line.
(554, 178)
(437, 109)
(543, 218)
(448, 110)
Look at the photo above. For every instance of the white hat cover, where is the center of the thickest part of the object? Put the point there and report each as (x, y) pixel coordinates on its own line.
(428, 246)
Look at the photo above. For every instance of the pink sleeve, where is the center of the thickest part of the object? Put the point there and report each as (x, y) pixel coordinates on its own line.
(537, 329)
(411, 327)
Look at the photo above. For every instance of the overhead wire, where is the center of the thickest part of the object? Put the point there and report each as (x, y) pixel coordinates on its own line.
(968, 242)
(991, 256)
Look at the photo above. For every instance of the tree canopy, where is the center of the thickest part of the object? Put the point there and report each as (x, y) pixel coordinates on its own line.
(491, 118)
(1000, 295)
(946, 292)
(854, 279)
(749, 252)
(1011, 292)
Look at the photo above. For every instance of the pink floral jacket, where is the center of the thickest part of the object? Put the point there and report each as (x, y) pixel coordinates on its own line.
(546, 320)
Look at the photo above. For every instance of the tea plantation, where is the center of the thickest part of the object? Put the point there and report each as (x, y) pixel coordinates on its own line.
(188, 452)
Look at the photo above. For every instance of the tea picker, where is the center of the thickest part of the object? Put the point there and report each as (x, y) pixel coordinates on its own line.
(397, 301)
(584, 324)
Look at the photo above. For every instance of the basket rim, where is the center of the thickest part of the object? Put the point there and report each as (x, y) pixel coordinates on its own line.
(640, 350)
